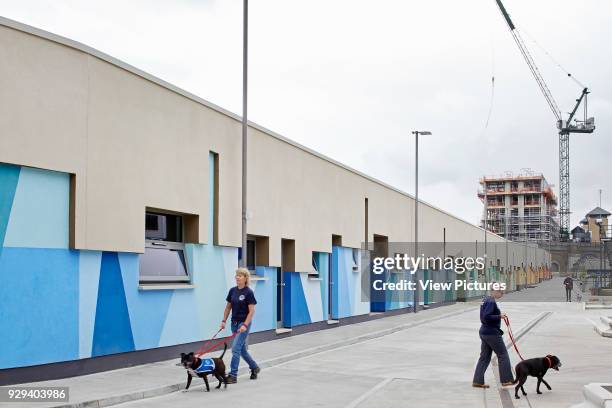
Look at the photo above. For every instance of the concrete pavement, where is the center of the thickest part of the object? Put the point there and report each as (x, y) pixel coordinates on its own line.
(431, 365)
(422, 360)
(144, 381)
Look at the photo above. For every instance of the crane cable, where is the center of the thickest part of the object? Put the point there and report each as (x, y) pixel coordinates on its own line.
(492, 86)
(580, 84)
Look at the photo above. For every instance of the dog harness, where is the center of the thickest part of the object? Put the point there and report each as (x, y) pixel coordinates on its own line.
(207, 366)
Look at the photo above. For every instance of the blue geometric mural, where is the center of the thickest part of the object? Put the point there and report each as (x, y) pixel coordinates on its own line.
(89, 303)
(295, 308)
(347, 291)
(112, 330)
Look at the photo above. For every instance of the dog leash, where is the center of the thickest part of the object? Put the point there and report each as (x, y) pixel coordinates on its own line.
(507, 321)
(203, 350)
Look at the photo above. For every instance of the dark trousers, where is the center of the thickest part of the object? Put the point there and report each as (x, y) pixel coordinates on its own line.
(568, 294)
(490, 343)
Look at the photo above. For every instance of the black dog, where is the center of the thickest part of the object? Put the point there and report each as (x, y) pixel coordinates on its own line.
(535, 367)
(197, 367)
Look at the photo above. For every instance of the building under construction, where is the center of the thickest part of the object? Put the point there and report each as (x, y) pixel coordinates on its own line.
(519, 208)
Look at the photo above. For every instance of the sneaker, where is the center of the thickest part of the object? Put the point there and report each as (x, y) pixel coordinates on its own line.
(509, 383)
(480, 385)
(254, 373)
(231, 379)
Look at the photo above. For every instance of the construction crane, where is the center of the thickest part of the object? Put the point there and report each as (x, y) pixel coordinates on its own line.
(565, 127)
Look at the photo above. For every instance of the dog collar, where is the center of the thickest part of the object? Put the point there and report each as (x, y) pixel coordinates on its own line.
(549, 361)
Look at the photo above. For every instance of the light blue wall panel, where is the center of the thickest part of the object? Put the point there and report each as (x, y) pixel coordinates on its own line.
(399, 299)
(89, 277)
(323, 264)
(39, 218)
(348, 297)
(265, 293)
(312, 295)
(39, 320)
(147, 309)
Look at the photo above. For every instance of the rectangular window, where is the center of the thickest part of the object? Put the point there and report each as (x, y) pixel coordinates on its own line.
(288, 255)
(164, 256)
(251, 248)
(315, 266)
(163, 227)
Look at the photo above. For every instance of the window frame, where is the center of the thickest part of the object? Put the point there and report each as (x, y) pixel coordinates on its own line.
(158, 244)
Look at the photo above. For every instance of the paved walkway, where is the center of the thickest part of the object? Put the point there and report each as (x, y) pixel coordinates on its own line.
(164, 377)
(422, 360)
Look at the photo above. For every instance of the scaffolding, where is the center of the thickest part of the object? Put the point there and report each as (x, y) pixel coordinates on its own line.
(519, 208)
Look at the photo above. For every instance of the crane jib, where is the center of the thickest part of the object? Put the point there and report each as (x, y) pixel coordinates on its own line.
(587, 125)
(505, 14)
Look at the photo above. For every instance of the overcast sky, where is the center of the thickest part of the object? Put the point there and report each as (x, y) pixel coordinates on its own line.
(352, 79)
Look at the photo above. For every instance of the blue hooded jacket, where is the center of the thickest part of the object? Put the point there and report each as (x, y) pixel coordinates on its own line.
(490, 317)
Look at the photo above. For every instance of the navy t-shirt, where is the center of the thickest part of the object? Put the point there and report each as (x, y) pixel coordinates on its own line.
(240, 300)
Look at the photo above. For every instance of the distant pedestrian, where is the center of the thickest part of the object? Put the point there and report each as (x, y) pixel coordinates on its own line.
(241, 302)
(569, 285)
(491, 341)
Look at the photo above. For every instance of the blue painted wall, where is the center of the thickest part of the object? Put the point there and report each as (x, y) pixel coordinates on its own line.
(39, 298)
(347, 297)
(295, 308)
(87, 303)
(306, 297)
(265, 293)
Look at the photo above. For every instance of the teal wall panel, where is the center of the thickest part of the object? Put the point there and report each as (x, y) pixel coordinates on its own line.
(9, 177)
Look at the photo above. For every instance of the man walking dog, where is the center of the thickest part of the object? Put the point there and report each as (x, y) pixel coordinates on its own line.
(569, 285)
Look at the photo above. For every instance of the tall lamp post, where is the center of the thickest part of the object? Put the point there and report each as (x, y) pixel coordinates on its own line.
(416, 133)
(245, 54)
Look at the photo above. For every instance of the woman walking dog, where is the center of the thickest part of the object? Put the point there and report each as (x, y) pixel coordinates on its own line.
(241, 302)
(491, 340)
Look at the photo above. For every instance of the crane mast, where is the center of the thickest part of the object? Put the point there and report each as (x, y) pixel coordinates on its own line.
(587, 125)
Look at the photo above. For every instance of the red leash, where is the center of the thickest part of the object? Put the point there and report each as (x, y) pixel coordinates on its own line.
(507, 321)
(201, 351)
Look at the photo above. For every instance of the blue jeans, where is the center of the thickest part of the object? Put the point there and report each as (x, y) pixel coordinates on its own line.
(490, 343)
(240, 348)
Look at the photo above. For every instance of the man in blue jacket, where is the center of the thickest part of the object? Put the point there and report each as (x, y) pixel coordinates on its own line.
(491, 341)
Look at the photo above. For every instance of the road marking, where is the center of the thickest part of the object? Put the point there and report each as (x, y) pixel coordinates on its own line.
(506, 400)
(370, 392)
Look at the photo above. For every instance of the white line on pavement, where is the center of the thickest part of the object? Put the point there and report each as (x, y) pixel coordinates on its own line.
(370, 392)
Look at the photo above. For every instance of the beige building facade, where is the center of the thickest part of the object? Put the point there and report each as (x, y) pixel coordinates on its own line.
(132, 141)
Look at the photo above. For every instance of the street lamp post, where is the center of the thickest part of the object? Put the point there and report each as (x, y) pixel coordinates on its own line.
(245, 54)
(416, 133)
